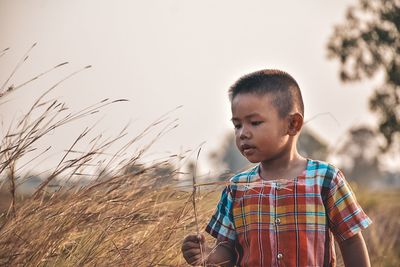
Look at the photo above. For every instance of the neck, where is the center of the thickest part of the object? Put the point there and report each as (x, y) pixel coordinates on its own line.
(287, 164)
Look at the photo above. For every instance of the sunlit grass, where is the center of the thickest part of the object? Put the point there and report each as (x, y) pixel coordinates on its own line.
(128, 214)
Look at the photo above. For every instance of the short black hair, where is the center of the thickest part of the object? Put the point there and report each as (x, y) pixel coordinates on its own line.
(282, 85)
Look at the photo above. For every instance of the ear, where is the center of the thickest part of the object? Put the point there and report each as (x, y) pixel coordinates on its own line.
(295, 123)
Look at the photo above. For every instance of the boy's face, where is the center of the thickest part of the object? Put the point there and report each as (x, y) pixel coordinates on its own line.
(261, 134)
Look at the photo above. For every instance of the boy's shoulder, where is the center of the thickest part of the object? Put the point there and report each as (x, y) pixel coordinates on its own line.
(323, 174)
(320, 168)
(247, 176)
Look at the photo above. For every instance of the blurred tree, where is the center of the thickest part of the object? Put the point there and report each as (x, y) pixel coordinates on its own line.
(368, 43)
(165, 174)
(162, 173)
(134, 169)
(358, 155)
(311, 145)
(228, 159)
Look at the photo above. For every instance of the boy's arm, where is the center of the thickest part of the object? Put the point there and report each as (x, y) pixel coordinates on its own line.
(354, 251)
(221, 255)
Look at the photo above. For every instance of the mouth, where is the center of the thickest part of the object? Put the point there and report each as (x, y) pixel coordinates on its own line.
(247, 149)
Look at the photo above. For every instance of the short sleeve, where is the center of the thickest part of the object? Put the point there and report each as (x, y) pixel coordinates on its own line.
(346, 217)
(221, 224)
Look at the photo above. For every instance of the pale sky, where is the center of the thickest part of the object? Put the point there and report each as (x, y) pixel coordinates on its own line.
(167, 53)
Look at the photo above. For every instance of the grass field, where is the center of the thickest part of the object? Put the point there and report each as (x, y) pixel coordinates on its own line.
(130, 216)
(121, 222)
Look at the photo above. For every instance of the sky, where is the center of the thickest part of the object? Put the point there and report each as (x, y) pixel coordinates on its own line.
(165, 54)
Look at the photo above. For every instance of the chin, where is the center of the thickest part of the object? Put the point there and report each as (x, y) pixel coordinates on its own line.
(253, 159)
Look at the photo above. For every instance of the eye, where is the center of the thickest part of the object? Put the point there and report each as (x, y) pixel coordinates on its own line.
(237, 126)
(256, 123)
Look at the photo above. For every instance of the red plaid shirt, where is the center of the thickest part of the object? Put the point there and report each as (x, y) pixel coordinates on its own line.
(287, 222)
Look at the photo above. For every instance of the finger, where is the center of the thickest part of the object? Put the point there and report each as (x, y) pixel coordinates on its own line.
(201, 238)
(190, 245)
(190, 253)
(195, 260)
(198, 260)
(192, 238)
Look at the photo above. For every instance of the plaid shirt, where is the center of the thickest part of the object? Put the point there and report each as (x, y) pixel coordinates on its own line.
(287, 222)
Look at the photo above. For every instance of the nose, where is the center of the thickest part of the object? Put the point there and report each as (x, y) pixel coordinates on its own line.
(244, 133)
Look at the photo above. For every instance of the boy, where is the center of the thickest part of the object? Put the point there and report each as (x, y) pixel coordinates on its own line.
(287, 209)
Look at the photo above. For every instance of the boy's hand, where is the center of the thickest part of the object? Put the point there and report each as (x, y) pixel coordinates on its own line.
(191, 249)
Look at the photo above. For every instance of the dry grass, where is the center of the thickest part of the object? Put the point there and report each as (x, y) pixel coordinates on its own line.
(129, 216)
(124, 221)
(383, 236)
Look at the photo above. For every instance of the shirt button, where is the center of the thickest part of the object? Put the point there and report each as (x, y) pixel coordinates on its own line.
(279, 256)
(277, 221)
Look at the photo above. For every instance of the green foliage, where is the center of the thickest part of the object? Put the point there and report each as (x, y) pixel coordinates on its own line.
(368, 44)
